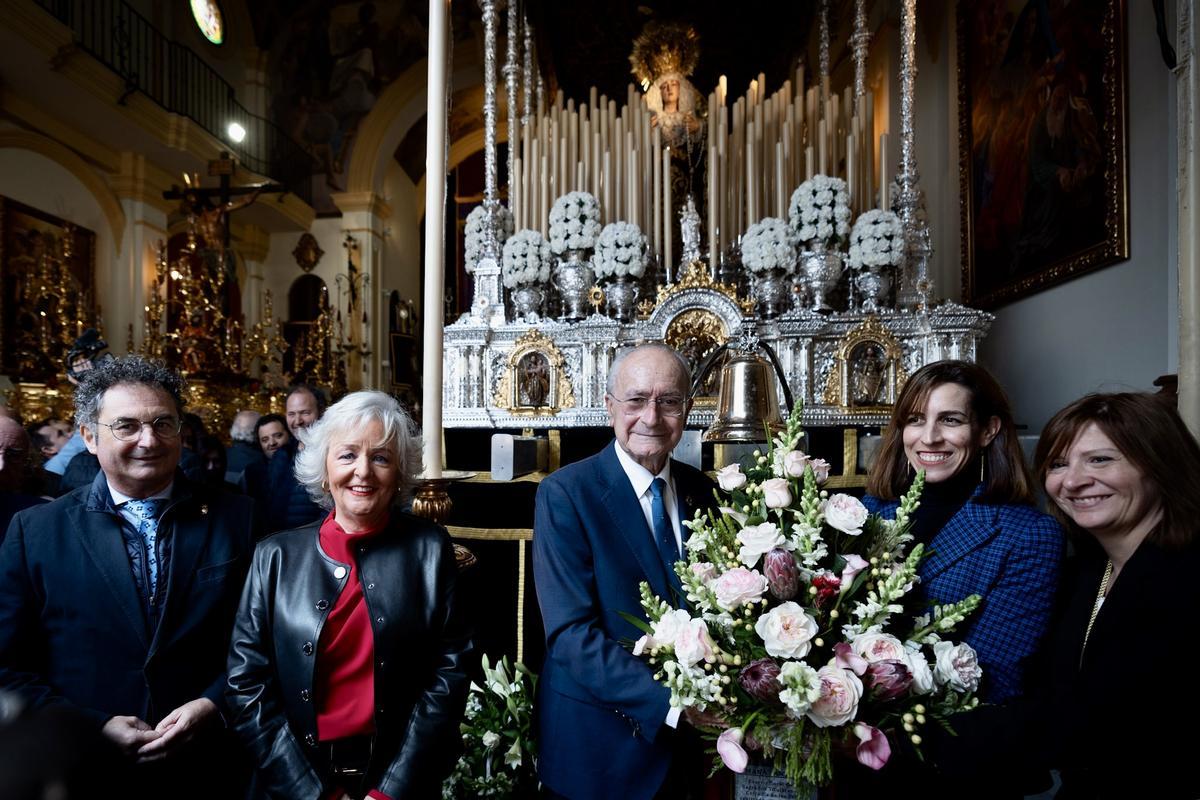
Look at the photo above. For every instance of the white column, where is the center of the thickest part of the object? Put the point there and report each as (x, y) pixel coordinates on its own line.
(435, 206)
(1187, 73)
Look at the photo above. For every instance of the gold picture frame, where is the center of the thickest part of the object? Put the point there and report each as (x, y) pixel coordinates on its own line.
(534, 381)
(868, 370)
(1042, 144)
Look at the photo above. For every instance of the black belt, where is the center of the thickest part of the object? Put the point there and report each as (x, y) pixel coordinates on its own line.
(348, 758)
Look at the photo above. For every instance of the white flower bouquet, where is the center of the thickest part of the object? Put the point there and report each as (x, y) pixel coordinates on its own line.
(473, 235)
(525, 260)
(794, 636)
(574, 222)
(620, 251)
(819, 211)
(769, 244)
(876, 241)
(498, 737)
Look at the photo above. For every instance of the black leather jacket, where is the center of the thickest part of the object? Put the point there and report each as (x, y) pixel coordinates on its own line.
(421, 647)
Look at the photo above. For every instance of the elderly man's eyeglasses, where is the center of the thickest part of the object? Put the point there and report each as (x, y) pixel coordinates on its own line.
(126, 430)
(670, 406)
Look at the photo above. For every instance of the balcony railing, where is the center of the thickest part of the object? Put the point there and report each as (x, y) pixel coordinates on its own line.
(180, 81)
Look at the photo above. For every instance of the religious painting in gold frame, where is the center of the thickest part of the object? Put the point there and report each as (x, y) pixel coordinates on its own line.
(534, 381)
(868, 370)
(47, 290)
(1042, 144)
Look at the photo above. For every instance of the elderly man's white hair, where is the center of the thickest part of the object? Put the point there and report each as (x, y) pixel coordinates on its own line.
(353, 412)
(242, 429)
(685, 371)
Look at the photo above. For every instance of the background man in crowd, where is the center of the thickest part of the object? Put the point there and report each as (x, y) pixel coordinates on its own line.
(244, 449)
(601, 527)
(290, 505)
(117, 600)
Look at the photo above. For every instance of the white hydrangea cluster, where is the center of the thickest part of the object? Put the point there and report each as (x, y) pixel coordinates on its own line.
(473, 245)
(574, 222)
(769, 244)
(526, 259)
(820, 211)
(876, 241)
(620, 251)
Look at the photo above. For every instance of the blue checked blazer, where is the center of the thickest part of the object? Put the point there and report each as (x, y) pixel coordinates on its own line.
(1008, 554)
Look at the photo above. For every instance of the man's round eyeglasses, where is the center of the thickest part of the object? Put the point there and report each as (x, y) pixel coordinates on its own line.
(669, 406)
(126, 430)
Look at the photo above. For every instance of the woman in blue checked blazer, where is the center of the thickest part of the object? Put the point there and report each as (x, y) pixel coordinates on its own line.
(977, 517)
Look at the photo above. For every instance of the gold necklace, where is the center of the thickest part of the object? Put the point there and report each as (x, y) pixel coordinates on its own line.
(1108, 571)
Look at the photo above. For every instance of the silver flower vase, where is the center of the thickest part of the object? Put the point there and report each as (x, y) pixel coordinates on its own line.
(821, 269)
(620, 294)
(573, 277)
(873, 287)
(527, 300)
(773, 290)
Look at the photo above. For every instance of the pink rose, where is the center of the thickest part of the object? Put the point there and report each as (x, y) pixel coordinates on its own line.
(854, 565)
(739, 586)
(729, 747)
(957, 665)
(777, 493)
(846, 658)
(845, 513)
(840, 692)
(875, 646)
(873, 748)
(704, 571)
(820, 468)
(731, 477)
(693, 644)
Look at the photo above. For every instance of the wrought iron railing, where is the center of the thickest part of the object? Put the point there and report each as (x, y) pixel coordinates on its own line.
(180, 81)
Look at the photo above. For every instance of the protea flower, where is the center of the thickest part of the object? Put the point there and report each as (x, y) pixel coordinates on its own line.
(888, 679)
(761, 679)
(783, 578)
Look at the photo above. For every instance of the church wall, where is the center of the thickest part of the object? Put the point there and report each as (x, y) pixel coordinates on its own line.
(40, 182)
(402, 264)
(1116, 328)
(280, 270)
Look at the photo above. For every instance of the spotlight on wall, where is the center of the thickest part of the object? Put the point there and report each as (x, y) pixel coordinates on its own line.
(236, 132)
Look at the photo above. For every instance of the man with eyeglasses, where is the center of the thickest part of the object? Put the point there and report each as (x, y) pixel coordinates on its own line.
(117, 600)
(601, 527)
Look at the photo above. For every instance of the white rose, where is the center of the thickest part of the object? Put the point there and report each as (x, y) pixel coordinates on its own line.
(786, 630)
(794, 463)
(776, 493)
(692, 644)
(845, 513)
(731, 477)
(875, 646)
(739, 586)
(668, 627)
(756, 540)
(840, 692)
(921, 673)
(491, 739)
(956, 665)
(704, 570)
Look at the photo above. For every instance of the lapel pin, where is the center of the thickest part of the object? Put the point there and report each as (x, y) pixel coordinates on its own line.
(204, 510)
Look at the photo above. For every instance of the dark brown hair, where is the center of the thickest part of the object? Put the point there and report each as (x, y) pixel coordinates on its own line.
(1006, 477)
(1147, 430)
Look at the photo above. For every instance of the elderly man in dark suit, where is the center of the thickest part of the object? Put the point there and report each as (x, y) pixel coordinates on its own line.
(601, 527)
(117, 600)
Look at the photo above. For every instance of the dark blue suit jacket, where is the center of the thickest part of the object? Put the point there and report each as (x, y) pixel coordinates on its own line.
(72, 627)
(1008, 554)
(599, 708)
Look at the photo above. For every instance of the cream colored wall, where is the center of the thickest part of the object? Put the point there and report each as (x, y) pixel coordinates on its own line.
(280, 270)
(402, 256)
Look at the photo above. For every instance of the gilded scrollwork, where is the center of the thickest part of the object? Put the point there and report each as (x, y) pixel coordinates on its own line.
(868, 370)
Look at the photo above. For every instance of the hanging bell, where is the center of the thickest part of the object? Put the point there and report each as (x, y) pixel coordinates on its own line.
(747, 405)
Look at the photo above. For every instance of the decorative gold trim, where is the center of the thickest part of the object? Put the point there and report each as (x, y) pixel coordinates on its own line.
(560, 395)
(838, 384)
(696, 276)
(695, 334)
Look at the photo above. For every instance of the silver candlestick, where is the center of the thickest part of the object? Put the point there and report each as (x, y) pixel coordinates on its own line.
(916, 287)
